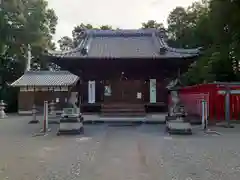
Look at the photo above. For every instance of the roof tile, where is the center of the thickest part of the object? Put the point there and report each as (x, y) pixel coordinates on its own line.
(141, 43)
(46, 78)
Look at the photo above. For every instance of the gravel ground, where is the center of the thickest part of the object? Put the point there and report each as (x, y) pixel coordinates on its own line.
(104, 152)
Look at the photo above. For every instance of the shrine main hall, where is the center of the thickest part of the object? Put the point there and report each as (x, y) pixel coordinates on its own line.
(123, 71)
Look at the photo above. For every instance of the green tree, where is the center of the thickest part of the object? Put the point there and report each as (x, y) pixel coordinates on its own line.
(65, 43)
(106, 27)
(187, 27)
(28, 22)
(78, 32)
(213, 25)
(152, 24)
(24, 22)
(225, 17)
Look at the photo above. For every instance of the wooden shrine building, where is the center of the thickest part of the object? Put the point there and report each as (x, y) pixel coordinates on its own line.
(39, 86)
(124, 70)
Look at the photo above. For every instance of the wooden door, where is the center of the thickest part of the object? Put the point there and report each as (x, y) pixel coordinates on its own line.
(125, 91)
(132, 91)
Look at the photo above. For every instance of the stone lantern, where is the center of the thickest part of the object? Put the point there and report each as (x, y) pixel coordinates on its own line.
(2, 108)
(52, 108)
(176, 109)
(175, 121)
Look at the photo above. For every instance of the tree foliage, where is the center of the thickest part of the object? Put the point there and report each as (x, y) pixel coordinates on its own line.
(213, 25)
(67, 42)
(152, 24)
(24, 22)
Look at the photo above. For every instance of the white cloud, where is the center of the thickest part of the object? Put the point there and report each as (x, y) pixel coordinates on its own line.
(127, 14)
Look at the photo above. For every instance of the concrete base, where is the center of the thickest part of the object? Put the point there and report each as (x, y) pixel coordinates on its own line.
(178, 127)
(70, 126)
(70, 131)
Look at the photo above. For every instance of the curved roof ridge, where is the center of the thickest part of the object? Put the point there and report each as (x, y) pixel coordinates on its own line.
(179, 50)
(66, 52)
(156, 40)
(162, 43)
(99, 32)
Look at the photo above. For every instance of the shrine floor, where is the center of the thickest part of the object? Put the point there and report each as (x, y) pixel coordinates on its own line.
(143, 152)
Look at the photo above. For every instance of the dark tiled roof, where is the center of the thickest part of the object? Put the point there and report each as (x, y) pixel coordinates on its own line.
(122, 47)
(126, 43)
(46, 78)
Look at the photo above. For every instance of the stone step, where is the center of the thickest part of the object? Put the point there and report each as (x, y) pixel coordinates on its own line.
(124, 114)
(128, 106)
(123, 110)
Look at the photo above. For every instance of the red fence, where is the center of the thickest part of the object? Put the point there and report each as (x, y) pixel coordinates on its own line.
(192, 102)
(191, 97)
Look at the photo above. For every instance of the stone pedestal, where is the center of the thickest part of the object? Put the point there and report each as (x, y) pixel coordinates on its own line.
(2, 109)
(71, 122)
(178, 127)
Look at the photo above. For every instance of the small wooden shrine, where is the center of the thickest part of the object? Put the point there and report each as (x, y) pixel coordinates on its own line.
(39, 86)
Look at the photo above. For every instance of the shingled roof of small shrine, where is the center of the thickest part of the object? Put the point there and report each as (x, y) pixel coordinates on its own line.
(142, 43)
(46, 78)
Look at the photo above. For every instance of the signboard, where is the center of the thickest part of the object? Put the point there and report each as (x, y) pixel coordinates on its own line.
(139, 95)
(91, 91)
(107, 91)
(153, 91)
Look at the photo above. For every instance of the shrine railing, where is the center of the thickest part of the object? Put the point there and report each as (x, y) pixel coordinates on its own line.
(192, 102)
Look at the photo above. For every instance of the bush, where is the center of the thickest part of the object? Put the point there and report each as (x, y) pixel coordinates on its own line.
(10, 97)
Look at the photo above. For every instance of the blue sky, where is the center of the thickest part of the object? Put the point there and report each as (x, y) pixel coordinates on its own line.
(127, 14)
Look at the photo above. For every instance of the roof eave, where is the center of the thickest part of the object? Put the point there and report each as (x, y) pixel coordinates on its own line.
(129, 57)
(16, 84)
(42, 85)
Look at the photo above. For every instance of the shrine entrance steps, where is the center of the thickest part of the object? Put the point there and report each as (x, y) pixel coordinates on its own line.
(123, 110)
